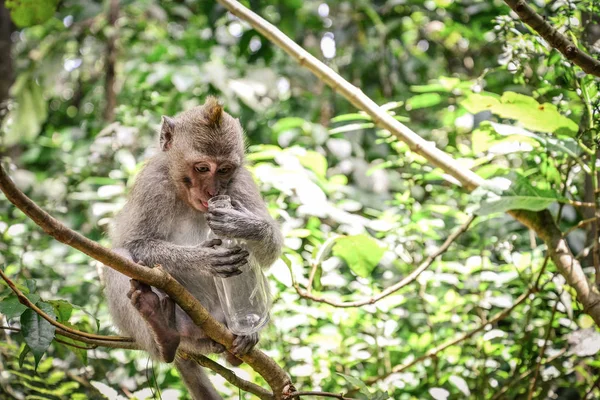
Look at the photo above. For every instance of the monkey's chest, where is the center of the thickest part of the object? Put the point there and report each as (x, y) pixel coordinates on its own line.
(188, 231)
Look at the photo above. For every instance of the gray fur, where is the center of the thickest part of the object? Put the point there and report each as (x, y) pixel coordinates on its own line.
(159, 226)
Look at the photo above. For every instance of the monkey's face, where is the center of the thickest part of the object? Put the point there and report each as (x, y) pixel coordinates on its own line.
(205, 147)
(203, 178)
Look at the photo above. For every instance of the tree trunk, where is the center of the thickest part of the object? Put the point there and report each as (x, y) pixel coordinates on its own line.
(6, 68)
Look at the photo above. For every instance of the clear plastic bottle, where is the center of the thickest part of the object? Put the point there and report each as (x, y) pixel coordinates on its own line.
(245, 297)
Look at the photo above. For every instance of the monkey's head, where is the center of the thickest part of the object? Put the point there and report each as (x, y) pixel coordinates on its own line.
(205, 148)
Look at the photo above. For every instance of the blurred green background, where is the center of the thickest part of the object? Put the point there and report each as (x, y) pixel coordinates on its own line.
(465, 75)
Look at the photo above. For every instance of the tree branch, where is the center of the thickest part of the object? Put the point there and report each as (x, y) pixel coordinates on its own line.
(111, 59)
(276, 377)
(230, 376)
(395, 287)
(28, 303)
(554, 37)
(206, 362)
(544, 227)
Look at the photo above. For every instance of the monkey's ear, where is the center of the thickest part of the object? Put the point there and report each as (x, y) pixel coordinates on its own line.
(166, 133)
(213, 112)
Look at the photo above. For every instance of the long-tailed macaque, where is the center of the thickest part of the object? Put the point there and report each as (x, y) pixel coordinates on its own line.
(166, 220)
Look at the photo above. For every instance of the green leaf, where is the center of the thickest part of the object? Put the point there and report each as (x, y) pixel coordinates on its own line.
(31, 12)
(63, 309)
(288, 123)
(351, 127)
(351, 117)
(38, 332)
(379, 395)
(554, 57)
(475, 103)
(361, 252)
(524, 109)
(501, 195)
(315, 162)
(532, 115)
(11, 307)
(263, 152)
(31, 285)
(423, 101)
(24, 351)
(24, 121)
(356, 383)
(81, 354)
(567, 146)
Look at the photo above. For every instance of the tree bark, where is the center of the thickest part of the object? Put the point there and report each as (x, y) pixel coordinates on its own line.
(6, 66)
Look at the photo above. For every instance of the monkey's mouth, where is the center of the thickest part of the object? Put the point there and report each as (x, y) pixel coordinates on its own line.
(198, 204)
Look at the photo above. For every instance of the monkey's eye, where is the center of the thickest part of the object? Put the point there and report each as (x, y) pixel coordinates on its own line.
(224, 170)
(201, 168)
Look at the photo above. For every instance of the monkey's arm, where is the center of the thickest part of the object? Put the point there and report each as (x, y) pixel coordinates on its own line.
(183, 262)
(248, 220)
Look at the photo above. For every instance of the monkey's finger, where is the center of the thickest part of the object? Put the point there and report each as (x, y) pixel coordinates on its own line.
(235, 259)
(243, 344)
(225, 252)
(221, 212)
(133, 286)
(227, 271)
(212, 243)
(219, 225)
(140, 286)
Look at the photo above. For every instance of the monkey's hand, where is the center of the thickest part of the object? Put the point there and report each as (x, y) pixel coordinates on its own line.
(237, 223)
(222, 261)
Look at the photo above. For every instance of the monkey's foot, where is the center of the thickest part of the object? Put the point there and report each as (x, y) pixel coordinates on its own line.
(243, 344)
(159, 314)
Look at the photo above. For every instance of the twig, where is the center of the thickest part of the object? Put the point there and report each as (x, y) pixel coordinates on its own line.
(75, 344)
(577, 203)
(524, 375)
(127, 345)
(438, 349)
(10, 328)
(230, 376)
(579, 225)
(397, 286)
(93, 342)
(541, 354)
(26, 302)
(591, 391)
(554, 38)
(323, 251)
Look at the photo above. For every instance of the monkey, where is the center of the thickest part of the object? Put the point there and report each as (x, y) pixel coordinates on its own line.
(166, 221)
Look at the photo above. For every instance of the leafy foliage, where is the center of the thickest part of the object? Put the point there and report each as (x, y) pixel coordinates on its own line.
(357, 207)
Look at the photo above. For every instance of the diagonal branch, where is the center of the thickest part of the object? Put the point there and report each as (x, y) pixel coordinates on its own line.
(276, 377)
(554, 37)
(398, 285)
(541, 222)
